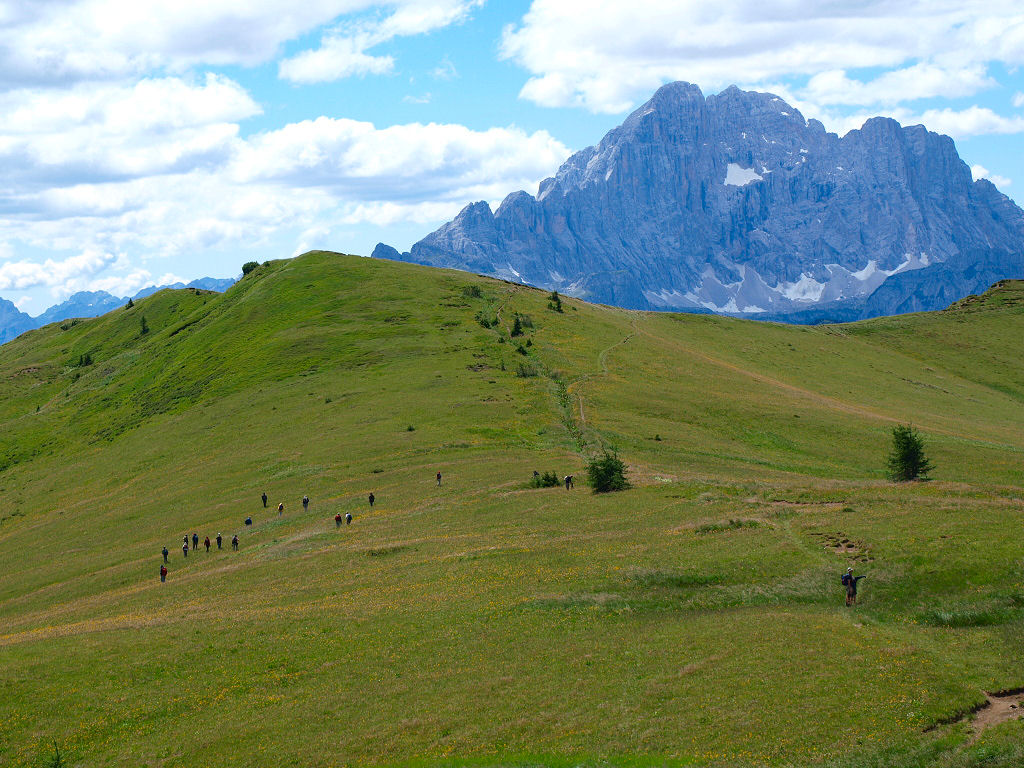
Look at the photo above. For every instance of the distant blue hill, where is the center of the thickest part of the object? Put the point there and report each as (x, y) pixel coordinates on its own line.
(14, 322)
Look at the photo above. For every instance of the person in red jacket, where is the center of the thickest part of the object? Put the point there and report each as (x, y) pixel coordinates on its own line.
(337, 520)
(163, 573)
(207, 544)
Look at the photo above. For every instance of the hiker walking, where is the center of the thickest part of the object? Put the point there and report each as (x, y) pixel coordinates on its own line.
(371, 501)
(234, 542)
(264, 497)
(195, 541)
(163, 573)
(337, 520)
(164, 553)
(348, 518)
(305, 503)
(184, 547)
(207, 544)
(568, 482)
(280, 509)
(218, 541)
(438, 479)
(850, 582)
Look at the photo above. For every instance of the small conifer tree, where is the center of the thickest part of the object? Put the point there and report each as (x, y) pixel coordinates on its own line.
(555, 301)
(517, 327)
(906, 460)
(143, 325)
(607, 473)
(130, 304)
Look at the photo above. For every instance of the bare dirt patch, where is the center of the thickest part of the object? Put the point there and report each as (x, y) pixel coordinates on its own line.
(999, 708)
(843, 545)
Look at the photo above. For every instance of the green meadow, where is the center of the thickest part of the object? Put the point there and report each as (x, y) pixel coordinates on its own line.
(696, 619)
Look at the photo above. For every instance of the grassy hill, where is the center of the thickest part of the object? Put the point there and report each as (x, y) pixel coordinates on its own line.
(696, 619)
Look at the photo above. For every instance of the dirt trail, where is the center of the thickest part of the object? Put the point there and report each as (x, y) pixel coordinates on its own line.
(998, 709)
(602, 360)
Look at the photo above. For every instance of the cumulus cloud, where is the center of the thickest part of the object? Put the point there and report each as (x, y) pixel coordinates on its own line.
(412, 162)
(604, 55)
(22, 275)
(343, 50)
(100, 131)
(63, 41)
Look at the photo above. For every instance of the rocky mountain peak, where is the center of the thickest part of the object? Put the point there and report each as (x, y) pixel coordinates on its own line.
(735, 203)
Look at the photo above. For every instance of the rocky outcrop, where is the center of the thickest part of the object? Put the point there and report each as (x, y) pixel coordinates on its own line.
(735, 203)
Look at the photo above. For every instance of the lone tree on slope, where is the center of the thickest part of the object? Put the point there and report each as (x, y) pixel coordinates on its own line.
(607, 473)
(906, 460)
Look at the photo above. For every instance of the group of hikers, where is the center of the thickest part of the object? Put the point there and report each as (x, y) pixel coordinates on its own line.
(338, 518)
(848, 580)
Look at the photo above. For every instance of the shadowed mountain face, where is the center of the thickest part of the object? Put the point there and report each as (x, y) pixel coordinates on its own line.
(737, 204)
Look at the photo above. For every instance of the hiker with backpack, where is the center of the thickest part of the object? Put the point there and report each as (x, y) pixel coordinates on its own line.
(234, 542)
(163, 573)
(348, 518)
(280, 509)
(371, 501)
(248, 521)
(206, 543)
(438, 479)
(305, 503)
(164, 553)
(218, 541)
(195, 541)
(568, 482)
(184, 547)
(337, 520)
(850, 582)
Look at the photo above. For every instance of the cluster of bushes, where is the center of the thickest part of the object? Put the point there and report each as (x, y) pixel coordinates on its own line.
(545, 480)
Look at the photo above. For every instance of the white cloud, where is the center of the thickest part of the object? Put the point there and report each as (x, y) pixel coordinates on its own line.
(21, 275)
(62, 41)
(1018, 99)
(411, 162)
(343, 51)
(22, 302)
(445, 70)
(919, 81)
(981, 172)
(605, 54)
(97, 131)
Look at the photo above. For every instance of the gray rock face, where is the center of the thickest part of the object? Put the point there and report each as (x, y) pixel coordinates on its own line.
(737, 204)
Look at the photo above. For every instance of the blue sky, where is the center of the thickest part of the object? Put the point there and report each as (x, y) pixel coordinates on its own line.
(149, 142)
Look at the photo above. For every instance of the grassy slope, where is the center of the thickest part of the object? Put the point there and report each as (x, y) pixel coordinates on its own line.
(484, 620)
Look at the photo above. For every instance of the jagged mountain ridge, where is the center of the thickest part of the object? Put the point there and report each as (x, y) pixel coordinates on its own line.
(14, 322)
(735, 203)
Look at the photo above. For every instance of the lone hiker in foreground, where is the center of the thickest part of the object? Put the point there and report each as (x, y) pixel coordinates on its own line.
(850, 582)
(280, 509)
(568, 482)
(371, 501)
(439, 478)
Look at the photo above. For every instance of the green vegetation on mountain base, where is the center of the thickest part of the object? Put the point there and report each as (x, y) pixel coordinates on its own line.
(695, 619)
